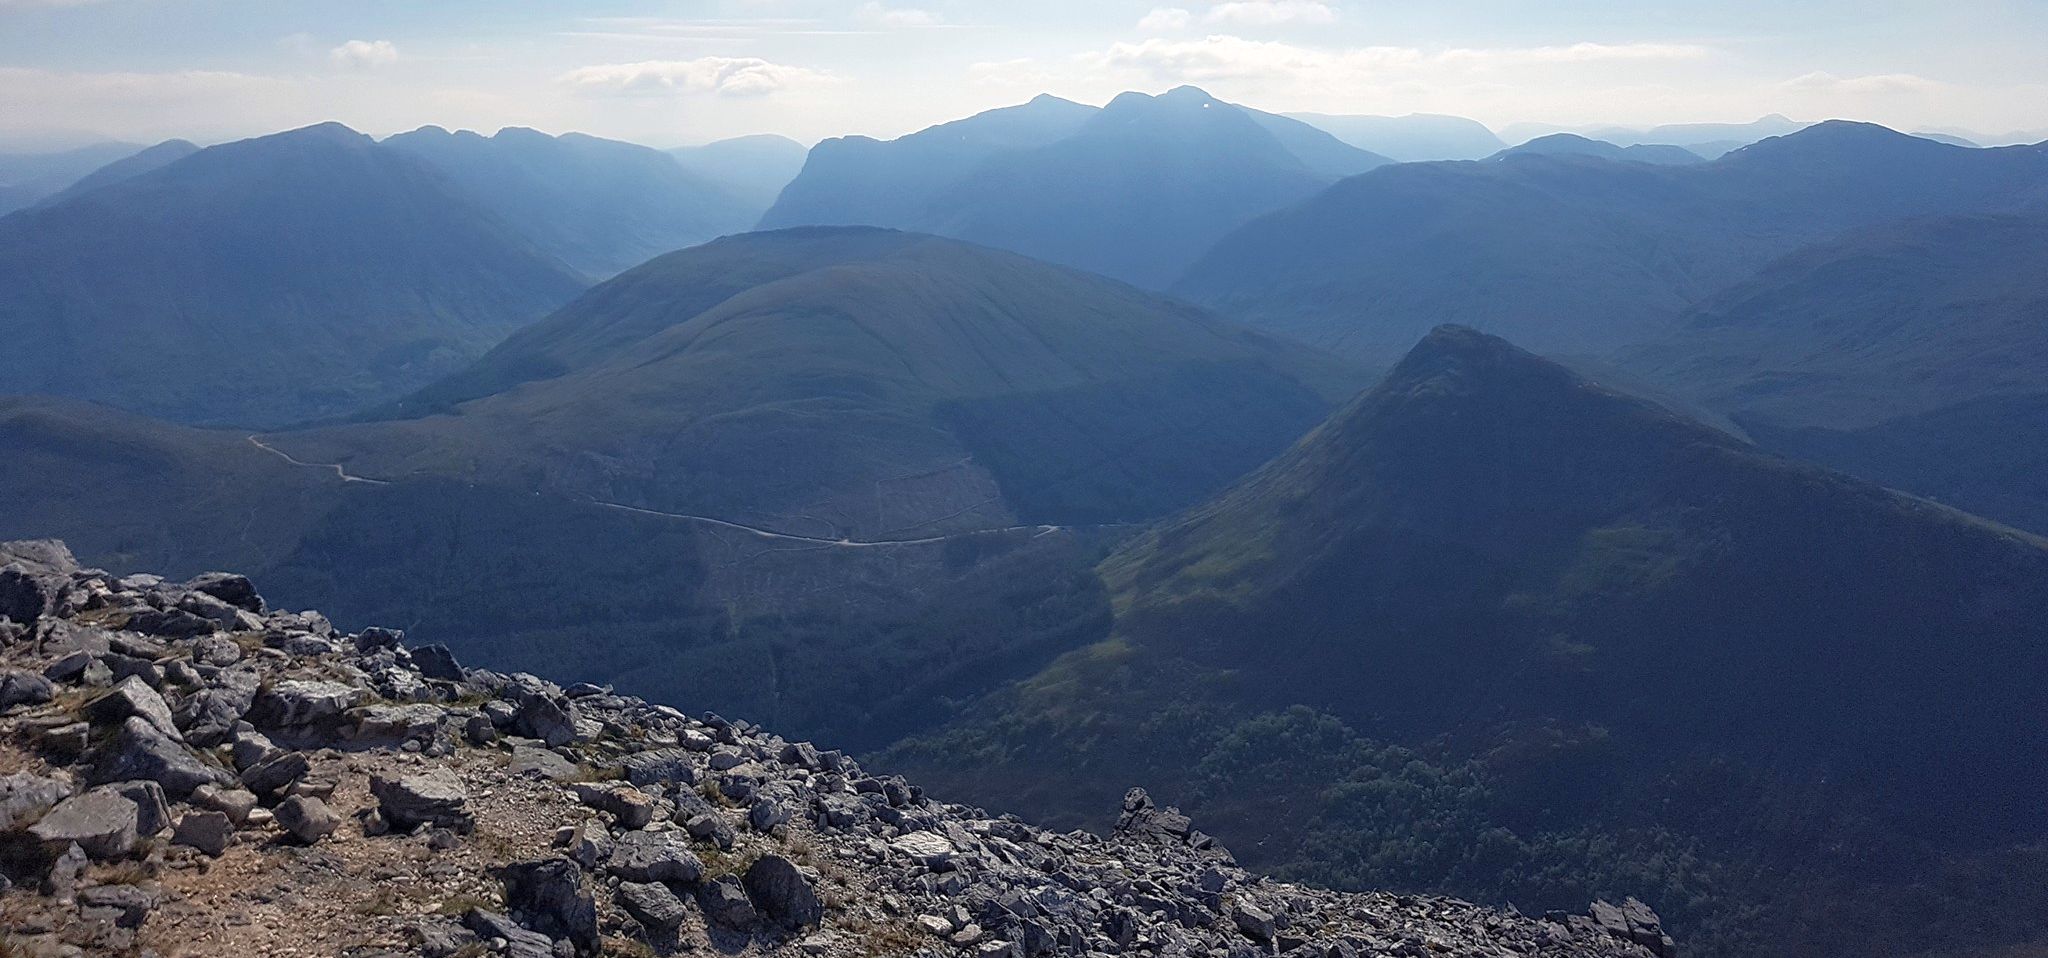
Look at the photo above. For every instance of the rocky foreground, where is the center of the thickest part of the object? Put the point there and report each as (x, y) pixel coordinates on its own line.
(186, 772)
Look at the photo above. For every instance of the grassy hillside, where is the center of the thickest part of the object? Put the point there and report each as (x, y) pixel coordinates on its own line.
(860, 382)
(1494, 630)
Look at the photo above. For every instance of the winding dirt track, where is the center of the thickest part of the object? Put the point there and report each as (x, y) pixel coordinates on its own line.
(346, 476)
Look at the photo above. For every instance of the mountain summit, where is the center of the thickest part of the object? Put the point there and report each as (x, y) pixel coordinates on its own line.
(1490, 604)
(1158, 178)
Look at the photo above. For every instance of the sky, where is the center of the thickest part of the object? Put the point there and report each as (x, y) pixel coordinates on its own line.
(677, 72)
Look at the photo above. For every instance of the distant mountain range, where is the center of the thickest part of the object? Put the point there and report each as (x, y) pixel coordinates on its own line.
(601, 206)
(752, 168)
(1708, 139)
(1496, 628)
(1912, 353)
(29, 178)
(1412, 138)
(1570, 254)
(1572, 144)
(267, 281)
(1158, 179)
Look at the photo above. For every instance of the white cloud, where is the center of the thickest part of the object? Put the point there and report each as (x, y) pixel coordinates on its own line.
(363, 54)
(880, 15)
(1882, 84)
(1269, 13)
(720, 76)
(1165, 20)
(1228, 57)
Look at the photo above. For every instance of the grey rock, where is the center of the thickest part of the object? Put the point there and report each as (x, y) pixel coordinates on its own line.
(170, 623)
(435, 798)
(782, 892)
(24, 797)
(100, 822)
(712, 827)
(249, 748)
(235, 590)
(277, 773)
(630, 807)
(152, 812)
(655, 856)
(126, 906)
(208, 831)
(65, 873)
(1257, 923)
(298, 702)
(132, 697)
(439, 937)
(436, 662)
(551, 897)
(661, 766)
(306, 818)
(726, 905)
(519, 943)
(24, 688)
(418, 722)
(652, 904)
(542, 718)
(139, 751)
(235, 803)
(216, 650)
(540, 762)
(24, 596)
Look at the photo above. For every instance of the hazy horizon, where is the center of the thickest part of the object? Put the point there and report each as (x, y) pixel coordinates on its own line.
(677, 73)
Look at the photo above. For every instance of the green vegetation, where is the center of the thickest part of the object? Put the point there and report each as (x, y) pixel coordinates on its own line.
(1496, 632)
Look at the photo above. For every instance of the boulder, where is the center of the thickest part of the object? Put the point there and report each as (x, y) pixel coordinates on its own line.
(541, 717)
(152, 812)
(208, 831)
(298, 702)
(24, 797)
(435, 798)
(170, 623)
(630, 807)
(519, 943)
(139, 751)
(25, 596)
(726, 905)
(782, 892)
(655, 856)
(102, 823)
(235, 590)
(125, 906)
(436, 662)
(132, 697)
(415, 722)
(306, 818)
(216, 650)
(661, 766)
(24, 688)
(235, 803)
(551, 897)
(274, 774)
(538, 762)
(652, 904)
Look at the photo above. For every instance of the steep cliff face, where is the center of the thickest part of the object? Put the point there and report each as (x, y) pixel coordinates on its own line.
(190, 772)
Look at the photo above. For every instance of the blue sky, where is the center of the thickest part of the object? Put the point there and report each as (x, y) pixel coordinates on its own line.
(672, 72)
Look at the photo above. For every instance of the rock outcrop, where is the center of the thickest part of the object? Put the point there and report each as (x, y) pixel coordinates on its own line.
(208, 776)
